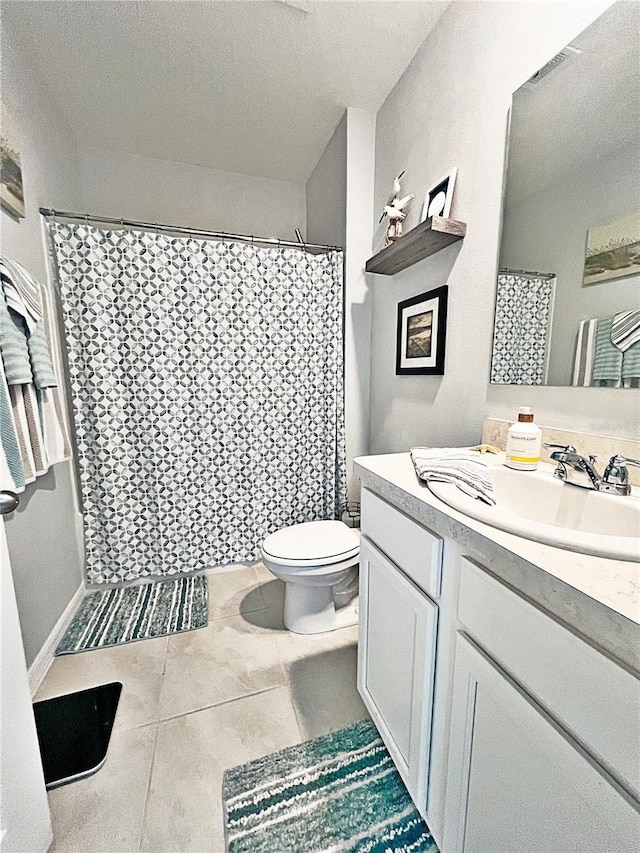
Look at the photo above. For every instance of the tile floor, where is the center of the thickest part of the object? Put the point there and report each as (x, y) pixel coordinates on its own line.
(193, 705)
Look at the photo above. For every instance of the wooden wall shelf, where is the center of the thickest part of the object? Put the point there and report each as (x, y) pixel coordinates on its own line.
(425, 239)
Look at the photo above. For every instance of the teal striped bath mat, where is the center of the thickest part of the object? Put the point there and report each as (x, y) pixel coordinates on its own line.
(131, 613)
(340, 792)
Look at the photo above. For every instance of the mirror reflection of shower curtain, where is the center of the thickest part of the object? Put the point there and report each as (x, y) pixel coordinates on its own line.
(207, 387)
(522, 330)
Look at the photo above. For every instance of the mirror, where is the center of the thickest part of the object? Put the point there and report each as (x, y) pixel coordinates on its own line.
(568, 290)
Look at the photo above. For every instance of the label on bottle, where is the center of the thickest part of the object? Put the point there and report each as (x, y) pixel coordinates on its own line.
(523, 447)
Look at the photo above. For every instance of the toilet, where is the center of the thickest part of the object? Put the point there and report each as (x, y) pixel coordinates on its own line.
(318, 561)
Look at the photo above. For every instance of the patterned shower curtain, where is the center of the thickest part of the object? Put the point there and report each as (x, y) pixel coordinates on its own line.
(524, 306)
(207, 386)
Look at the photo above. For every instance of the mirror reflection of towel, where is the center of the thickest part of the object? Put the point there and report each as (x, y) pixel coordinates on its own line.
(607, 359)
(625, 329)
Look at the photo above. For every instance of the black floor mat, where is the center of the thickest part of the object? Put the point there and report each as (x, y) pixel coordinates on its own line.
(74, 731)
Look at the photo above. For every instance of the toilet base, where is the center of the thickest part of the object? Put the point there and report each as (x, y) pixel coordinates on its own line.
(312, 610)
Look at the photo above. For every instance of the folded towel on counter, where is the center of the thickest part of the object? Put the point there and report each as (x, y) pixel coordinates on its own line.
(607, 359)
(21, 291)
(464, 468)
(625, 329)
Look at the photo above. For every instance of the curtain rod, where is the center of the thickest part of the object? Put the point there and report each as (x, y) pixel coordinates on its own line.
(531, 273)
(196, 232)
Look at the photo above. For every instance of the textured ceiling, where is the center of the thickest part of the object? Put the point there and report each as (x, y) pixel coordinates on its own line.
(583, 110)
(253, 87)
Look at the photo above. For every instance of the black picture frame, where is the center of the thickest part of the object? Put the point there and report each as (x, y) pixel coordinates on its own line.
(420, 350)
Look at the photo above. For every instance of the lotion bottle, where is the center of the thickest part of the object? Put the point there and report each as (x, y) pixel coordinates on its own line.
(524, 439)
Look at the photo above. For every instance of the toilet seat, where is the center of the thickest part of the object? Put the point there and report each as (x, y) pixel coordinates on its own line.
(313, 544)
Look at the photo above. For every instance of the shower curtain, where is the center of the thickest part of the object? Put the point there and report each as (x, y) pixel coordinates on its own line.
(524, 307)
(207, 388)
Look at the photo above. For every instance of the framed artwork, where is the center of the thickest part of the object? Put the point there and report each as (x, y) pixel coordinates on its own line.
(422, 333)
(11, 190)
(613, 249)
(437, 201)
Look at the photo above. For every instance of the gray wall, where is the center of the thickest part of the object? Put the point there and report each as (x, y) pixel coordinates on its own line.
(151, 190)
(450, 109)
(339, 212)
(326, 192)
(44, 546)
(548, 231)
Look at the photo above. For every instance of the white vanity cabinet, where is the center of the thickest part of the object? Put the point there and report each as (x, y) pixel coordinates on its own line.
(518, 783)
(512, 733)
(398, 630)
(544, 753)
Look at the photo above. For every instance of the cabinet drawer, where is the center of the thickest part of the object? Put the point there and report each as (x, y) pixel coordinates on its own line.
(411, 547)
(596, 700)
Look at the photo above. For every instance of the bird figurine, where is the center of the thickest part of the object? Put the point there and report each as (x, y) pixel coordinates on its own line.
(394, 211)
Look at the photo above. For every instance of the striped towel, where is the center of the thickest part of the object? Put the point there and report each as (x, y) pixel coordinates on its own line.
(51, 400)
(464, 468)
(625, 329)
(21, 291)
(585, 349)
(11, 471)
(23, 297)
(607, 360)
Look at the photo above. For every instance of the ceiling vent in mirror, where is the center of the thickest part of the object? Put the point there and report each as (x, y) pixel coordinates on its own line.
(553, 63)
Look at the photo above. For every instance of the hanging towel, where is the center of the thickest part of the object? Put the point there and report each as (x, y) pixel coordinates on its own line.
(52, 403)
(40, 357)
(607, 361)
(585, 350)
(13, 346)
(464, 468)
(23, 296)
(631, 364)
(11, 472)
(21, 291)
(625, 329)
(21, 423)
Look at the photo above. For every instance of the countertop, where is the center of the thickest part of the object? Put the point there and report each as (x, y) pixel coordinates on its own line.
(595, 597)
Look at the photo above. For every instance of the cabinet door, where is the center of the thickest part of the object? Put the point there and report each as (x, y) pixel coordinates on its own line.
(396, 661)
(517, 783)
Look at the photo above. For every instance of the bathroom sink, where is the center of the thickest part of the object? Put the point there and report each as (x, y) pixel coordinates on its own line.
(534, 505)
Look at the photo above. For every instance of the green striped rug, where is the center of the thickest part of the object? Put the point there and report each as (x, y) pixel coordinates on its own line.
(340, 793)
(123, 615)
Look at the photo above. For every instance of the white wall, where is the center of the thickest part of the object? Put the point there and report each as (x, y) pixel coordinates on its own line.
(449, 109)
(339, 212)
(42, 533)
(361, 135)
(547, 231)
(326, 192)
(118, 185)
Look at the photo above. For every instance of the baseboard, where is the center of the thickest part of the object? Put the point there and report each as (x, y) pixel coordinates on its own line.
(44, 658)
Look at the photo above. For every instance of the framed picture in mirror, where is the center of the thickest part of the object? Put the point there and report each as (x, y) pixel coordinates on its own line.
(613, 249)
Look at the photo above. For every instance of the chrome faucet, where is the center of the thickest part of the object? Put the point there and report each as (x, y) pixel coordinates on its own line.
(580, 471)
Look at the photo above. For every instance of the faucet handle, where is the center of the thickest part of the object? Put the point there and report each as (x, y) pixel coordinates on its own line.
(616, 476)
(624, 460)
(568, 448)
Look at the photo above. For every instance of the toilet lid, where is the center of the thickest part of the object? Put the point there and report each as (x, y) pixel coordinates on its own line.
(313, 543)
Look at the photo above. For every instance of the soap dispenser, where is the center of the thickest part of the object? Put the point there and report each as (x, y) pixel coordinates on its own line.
(524, 439)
